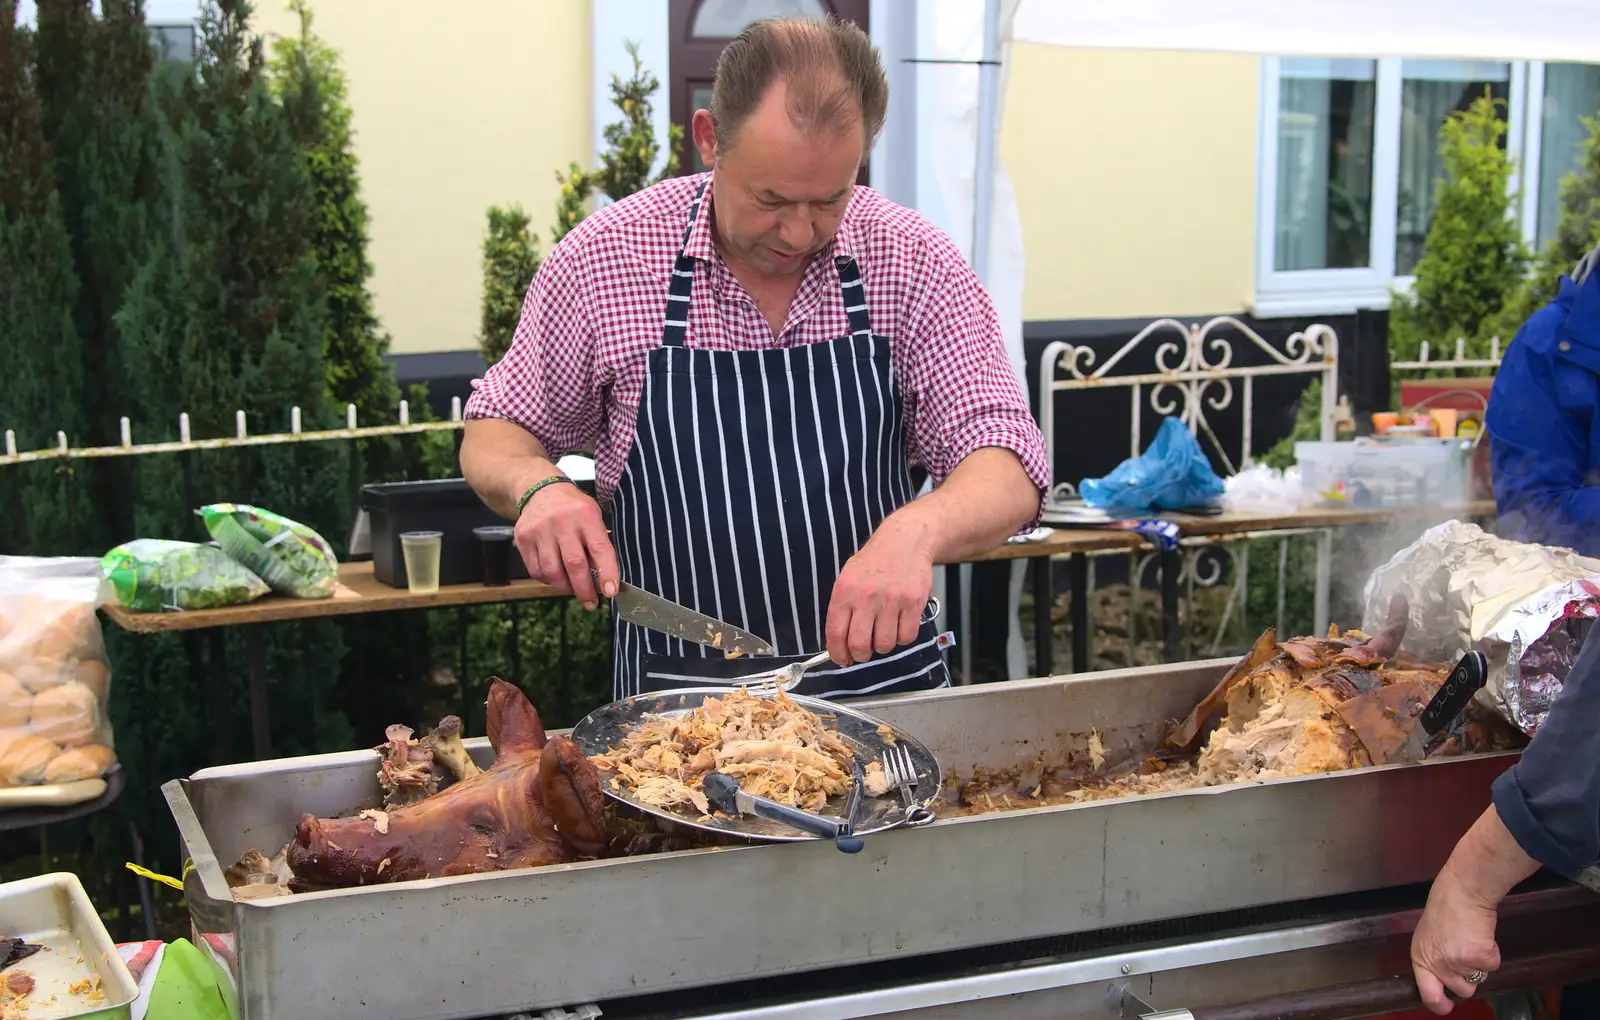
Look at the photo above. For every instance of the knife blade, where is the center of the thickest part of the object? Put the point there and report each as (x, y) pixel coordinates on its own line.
(651, 611)
(722, 790)
(1469, 676)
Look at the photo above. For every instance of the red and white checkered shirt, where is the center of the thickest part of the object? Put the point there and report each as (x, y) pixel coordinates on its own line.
(575, 372)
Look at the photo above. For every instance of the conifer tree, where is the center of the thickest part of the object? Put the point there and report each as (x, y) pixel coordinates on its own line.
(230, 317)
(510, 259)
(1474, 257)
(40, 363)
(625, 165)
(239, 316)
(510, 250)
(311, 85)
(94, 84)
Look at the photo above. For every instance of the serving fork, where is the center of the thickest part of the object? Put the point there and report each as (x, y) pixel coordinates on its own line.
(898, 767)
(780, 679)
(774, 681)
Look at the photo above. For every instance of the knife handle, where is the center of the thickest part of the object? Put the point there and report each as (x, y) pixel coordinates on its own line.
(1469, 676)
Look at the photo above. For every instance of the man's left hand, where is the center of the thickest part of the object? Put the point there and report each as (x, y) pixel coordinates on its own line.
(880, 596)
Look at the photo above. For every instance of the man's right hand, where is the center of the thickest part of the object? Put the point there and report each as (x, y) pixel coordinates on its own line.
(561, 536)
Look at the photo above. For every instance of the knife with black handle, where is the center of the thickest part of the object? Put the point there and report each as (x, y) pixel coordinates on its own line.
(1467, 679)
(722, 790)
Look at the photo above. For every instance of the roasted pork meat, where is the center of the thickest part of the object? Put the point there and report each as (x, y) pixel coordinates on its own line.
(1299, 707)
(540, 803)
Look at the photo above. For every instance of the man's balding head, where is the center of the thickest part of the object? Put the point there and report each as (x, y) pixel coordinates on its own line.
(795, 109)
(832, 75)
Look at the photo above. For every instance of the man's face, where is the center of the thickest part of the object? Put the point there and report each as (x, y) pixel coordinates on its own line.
(779, 193)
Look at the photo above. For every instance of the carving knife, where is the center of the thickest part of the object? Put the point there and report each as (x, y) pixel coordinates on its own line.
(1469, 676)
(649, 610)
(723, 791)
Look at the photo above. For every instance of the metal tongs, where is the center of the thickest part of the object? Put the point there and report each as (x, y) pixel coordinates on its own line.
(723, 791)
(780, 679)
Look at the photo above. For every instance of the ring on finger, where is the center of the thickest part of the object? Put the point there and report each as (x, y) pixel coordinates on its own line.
(1477, 977)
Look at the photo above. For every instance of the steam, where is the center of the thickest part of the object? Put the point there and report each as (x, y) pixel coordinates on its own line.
(1358, 551)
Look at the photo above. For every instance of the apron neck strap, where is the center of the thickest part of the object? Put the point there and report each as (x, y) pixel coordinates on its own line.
(675, 329)
(854, 295)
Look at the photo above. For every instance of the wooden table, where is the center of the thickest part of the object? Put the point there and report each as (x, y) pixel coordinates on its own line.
(359, 592)
(1065, 541)
(1077, 543)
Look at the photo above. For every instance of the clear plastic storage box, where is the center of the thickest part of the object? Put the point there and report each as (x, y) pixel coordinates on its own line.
(1370, 474)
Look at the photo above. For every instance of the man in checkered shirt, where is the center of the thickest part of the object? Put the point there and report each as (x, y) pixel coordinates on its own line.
(756, 357)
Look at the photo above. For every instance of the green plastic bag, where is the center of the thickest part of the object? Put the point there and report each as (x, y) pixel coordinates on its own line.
(290, 557)
(189, 986)
(155, 574)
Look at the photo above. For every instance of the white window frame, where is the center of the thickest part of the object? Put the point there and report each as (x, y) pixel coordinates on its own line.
(1285, 293)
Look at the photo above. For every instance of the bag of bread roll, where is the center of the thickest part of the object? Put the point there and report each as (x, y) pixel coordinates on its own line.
(55, 677)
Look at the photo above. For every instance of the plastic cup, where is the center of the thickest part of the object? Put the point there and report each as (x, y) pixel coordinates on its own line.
(421, 550)
(496, 544)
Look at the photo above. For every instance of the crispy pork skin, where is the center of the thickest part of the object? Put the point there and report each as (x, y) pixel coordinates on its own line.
(540, 803)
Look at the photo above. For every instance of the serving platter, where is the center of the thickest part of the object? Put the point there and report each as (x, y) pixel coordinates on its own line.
(601, 730)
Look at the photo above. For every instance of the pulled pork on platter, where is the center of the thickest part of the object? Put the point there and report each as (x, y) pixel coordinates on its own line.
(1300, 707)
(774, 747)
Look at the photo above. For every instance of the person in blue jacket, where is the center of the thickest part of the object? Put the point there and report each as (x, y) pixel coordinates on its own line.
(1544, 434)
(1546, 813)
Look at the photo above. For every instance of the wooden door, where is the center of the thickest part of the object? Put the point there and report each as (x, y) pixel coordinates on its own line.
(699, 31)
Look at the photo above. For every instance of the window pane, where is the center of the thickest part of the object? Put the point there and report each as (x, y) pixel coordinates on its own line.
(699, 99)
(173, 42)
(1571, 92)
(1324, 212)
(1431, 91)
(724, 19)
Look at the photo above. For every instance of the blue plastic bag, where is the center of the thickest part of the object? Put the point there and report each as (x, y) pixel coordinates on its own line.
(1171, 474)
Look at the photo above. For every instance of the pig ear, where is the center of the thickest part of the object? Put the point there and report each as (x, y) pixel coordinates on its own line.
(514, 725)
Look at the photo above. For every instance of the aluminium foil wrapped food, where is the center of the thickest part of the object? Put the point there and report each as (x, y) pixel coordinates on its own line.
(1527, 607)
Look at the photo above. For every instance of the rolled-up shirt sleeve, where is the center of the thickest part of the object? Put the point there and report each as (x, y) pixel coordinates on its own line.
(546, 381)
(964, 392)
(1550, 799)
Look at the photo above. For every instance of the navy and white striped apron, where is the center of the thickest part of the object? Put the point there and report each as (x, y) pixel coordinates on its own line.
(753, 477)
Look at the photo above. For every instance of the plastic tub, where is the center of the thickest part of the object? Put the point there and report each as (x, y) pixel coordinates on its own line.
(1385, 475)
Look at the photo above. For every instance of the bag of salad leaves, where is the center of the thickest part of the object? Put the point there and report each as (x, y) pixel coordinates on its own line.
(156, 574)
(290, 557)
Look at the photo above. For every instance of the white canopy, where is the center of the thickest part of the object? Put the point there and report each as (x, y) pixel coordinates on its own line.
(1557, 30)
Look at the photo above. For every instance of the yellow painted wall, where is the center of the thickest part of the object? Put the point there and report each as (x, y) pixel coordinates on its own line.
(1135, 179)
(457, 107)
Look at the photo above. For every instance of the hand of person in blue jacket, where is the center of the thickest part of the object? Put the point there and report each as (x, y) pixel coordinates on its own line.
(1453, 948)
(1453, 943)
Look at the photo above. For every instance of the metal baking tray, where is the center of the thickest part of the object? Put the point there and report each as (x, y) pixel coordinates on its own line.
(451, 948)
(602, 729)
(54, 912)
